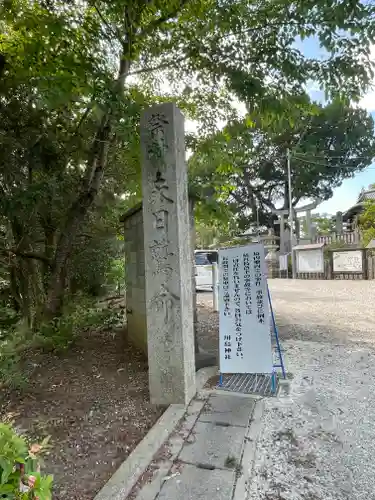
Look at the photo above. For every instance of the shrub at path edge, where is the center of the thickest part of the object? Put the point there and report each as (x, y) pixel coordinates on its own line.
(20, 477)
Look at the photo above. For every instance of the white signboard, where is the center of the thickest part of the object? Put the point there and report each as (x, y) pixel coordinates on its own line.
(310, 261)
(350, 261)
(245, 338)
(283, 262)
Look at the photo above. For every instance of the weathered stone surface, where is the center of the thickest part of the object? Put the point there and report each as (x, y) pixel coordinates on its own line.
(151, 489)
(167, 254)
(193, 483)
(213, 444)
(232, 410)
(135, 280)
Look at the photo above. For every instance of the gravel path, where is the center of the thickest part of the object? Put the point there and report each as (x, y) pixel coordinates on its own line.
(208, 324)
(325, 311)
(318, 437)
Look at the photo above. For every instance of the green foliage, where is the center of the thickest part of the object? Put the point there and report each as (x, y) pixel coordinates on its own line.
(234, 242)
(19, 468)
(57, 335)
(8, 319)
(367, 222)
(325, 224)
(61, 332)
(13, 449)
(245, 165)
(115, 276)
(77, 76)
(335, 245)
(214, 223)
(11, 349)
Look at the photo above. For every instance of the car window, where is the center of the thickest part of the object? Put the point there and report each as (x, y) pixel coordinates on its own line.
(205, 259)
(201, 259)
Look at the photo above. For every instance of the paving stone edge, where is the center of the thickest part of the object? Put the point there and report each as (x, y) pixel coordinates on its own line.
(242, 486)
(123, 480)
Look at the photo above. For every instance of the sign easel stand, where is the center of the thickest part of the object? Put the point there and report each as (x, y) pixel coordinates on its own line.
(280, 361)
(278, 347)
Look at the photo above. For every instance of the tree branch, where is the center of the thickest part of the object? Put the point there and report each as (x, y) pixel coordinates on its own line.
(115, 33)
(160, 66)
(25, 255)
(162, 19)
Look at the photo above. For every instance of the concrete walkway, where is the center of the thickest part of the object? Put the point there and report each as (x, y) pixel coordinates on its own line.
(202, 459)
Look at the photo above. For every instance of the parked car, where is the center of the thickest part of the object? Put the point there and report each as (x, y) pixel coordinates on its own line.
(203, 268)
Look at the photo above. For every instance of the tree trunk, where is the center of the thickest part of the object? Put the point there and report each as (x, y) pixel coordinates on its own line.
(75, 218)
(91, 185)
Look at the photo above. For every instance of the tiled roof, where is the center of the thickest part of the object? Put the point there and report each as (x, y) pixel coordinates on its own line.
(367, 195)
(359, 206)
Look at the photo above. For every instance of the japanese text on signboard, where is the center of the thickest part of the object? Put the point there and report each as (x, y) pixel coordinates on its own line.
(245, 339)
(237, 305)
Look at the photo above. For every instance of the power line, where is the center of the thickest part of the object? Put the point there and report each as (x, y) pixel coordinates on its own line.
(326, 165)
(337, 157)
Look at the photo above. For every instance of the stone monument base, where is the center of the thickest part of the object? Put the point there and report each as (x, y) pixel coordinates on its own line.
(272, 269)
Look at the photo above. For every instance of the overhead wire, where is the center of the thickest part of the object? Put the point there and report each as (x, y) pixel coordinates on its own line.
(334, 157)
(330, 166)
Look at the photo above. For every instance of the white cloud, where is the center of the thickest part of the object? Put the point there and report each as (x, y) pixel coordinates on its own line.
(368, 100)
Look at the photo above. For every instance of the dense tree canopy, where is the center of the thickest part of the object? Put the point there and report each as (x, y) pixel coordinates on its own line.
(245, 165)
(367, 220)
(324, 223)
(74, 77)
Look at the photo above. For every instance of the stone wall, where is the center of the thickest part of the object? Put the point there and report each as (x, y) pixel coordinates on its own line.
(135, 278)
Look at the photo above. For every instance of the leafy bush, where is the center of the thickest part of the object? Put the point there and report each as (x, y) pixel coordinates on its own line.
(57, 335)
(115, 276)
(20, 476)
(367, 222)
(60, 333)
(11, 348)
(112, 318)
(8, 319)
(335, 245)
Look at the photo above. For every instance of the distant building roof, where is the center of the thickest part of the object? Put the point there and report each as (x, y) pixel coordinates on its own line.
(364, 196)
(311, 246)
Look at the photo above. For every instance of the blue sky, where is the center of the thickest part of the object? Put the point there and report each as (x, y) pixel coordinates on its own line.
(345, 195)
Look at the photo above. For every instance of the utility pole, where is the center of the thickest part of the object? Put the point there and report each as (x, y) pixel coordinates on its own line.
(294, 275)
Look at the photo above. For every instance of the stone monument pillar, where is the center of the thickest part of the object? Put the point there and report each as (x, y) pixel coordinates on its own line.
(297, 228)
(313, 233)
(284, 238)
(339, 223)
(308, 224)
(168, 263)
(282, 234)
(272, 260)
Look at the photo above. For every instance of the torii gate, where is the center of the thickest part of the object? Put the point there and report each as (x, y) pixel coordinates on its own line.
(281, 215)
